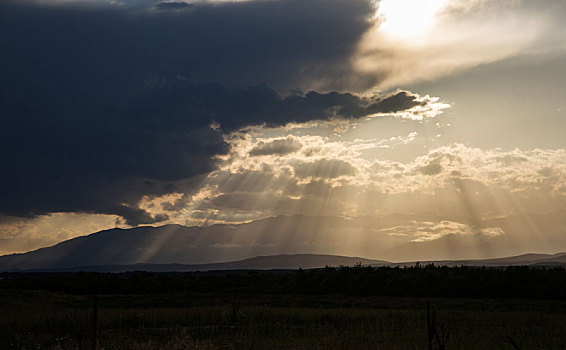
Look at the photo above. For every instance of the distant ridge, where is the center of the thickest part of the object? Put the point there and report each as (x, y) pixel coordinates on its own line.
(181, 248)
(271, 262)
(312, 261)
(558, 259)
(530, 259)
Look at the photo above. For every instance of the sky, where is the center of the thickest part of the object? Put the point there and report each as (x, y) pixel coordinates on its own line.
(441, 122)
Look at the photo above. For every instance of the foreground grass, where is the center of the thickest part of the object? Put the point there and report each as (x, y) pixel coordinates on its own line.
(45, 320)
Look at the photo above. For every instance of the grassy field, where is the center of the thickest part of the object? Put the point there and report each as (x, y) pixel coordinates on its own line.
(47, 320)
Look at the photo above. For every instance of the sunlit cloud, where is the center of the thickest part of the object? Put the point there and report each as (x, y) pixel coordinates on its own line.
(430, 231)
(277, 146)
(429, 107)
(336, 175)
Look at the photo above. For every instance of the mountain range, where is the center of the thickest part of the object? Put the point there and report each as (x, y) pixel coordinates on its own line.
(272, 243)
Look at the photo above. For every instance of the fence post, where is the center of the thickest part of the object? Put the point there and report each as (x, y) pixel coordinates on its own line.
(94, 323)
(429, 325)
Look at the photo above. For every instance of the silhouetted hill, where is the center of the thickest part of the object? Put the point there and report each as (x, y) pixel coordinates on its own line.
(273, 262)
(274, 242)
(176, 244)
(557, 259)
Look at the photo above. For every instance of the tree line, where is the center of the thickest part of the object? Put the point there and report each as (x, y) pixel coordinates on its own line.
(415, 281)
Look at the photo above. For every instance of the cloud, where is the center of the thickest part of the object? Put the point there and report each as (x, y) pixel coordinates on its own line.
(105, 103)
(335, 177)
(136, 216)
(430, 231)
(324, 168)
(158, 141)
(173, 5)
(433, 168)
(276, 147)
(115, 45)
(261, 105)
(96, 117)
(21, 235)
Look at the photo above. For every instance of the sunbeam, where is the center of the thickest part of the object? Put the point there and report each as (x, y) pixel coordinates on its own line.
(450, 201)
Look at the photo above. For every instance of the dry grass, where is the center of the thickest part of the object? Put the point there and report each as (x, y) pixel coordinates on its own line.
(41, 320)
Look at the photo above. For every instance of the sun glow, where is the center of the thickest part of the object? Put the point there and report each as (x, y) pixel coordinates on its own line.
(408, 18)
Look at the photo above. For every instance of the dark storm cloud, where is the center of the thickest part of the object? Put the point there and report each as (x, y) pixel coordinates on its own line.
(102, 104)
(281, 43)
(173, 6)
(234, 108)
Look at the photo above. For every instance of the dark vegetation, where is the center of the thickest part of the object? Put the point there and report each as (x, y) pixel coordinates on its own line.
(417, 281)
(423, 307)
